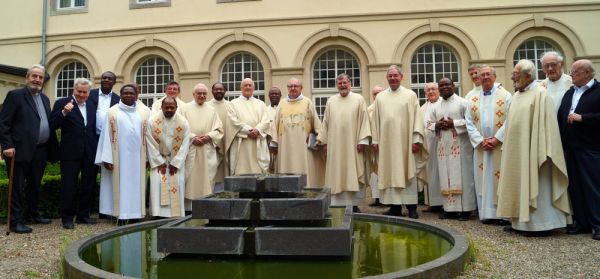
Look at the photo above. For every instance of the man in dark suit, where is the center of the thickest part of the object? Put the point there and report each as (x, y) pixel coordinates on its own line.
(579, 122)
(26, 136)
(102, 99)
(76, 117)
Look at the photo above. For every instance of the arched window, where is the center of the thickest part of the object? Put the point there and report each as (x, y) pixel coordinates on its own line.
(239, 66)
(430, 63)
(66, 77)
(326, 68)
(533, 49)
(152, 76)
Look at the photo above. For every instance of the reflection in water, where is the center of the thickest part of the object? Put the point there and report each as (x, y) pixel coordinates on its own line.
(377, 248)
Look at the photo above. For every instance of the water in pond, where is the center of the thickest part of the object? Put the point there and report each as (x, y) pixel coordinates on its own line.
(377, 248)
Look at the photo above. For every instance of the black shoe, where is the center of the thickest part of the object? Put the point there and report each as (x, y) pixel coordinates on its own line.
(20, 228)
(413, 214)
(508, 228)
(435, 208)
(86, 220)
(395, 210)
(40, 220)
(502, 222)
(578, 230)
(68, 225)
(488, 221)
(596, 236)
(355, 209)
(448, 215)
(376, 203)
(464, 216)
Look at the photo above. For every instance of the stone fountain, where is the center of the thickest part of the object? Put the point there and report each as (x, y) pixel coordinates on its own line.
(261, 215)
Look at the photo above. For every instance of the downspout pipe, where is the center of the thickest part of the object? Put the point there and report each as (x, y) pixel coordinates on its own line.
(44, 17)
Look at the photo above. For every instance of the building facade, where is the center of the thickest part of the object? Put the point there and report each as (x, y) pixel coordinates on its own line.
(153, 41)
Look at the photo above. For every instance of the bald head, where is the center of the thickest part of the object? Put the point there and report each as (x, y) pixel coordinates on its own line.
(582, 71)
(376, 90)
(247, 87)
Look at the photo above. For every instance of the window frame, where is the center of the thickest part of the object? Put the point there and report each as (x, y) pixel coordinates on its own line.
(259, 93)
(149, 98)
(55, 8)
(419, 87)
(537, 54)
(322, 92)
(69, 87)
(136, 4)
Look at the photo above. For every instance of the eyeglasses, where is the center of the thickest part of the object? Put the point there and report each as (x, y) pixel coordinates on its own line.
(550, 65)
(294, 86)
(577, 72)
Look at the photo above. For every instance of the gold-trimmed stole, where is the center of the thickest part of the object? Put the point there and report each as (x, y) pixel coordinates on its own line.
(169, 185)
(499, 118)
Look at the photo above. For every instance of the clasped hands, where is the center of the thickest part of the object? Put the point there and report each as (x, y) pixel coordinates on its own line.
(162, 169)
(444, 123)
(200, 140)
(489, 143)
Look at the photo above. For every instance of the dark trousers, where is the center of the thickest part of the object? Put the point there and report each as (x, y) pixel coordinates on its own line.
(69, 175)
(27, 177)
(584, 187)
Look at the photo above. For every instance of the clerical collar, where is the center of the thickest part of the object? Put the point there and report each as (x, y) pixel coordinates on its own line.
(243, 97)
(125, 107)
(300, 97)
(219, 101)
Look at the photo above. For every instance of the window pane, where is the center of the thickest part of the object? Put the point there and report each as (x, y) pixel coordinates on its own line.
(239, 66)
(533, 50)
(66, 77)
(152, 75)
(430, 63)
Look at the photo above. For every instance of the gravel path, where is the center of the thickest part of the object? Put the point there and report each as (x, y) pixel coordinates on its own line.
(498, 254)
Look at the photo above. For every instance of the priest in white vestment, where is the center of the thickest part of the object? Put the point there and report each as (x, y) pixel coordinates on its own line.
(345, 135)
(454, 152)
(295, 119)
(556, 83)
(485, 124)
(121, 154)
(173, 90)
(431, 189)
(371, 157)
(397, 138)
(167, 137)
(246, 136)
(474, 75)
(220, 104)
(532, 190)
(274, 98)
(206, 131)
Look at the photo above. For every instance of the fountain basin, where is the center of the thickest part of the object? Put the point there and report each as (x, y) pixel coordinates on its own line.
(384, 247)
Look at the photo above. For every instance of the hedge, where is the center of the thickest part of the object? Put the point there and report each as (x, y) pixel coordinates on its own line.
(49, 199)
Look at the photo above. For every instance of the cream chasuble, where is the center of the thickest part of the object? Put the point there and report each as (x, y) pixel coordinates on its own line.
(455, 156)
(533, 186)
(158, 103)
(371, 159)
(293, 121)
(223, 169)
(345, 124)
(397, 124)
(557, 89)
(201, 163)
(246, 155)
(168, 141)
(122, 143)
(485, 119)
(431, 189)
